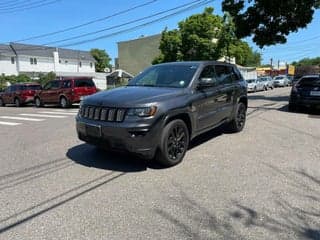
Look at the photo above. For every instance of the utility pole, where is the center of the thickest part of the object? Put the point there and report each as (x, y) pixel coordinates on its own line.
(271, 66)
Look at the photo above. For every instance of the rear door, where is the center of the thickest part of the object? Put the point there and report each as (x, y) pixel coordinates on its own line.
(226, 78)
(84, 87)
(50, 94)
(206, 101)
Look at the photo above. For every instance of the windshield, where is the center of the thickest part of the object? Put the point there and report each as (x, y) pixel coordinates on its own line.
(168, 75)
(311, 81)
(278, 78)
(251, 81)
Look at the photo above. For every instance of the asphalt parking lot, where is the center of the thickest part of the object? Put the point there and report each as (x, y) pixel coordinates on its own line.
(263, 183)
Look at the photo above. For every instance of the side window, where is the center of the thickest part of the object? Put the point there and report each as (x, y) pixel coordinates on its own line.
(224, 74)
(238, 76)
(66, 84)
(208, 73)
(8, 89)
(55, 85)
(13, 88)
(47, 86)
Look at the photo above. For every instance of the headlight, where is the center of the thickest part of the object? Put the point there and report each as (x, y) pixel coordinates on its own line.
(142, 112)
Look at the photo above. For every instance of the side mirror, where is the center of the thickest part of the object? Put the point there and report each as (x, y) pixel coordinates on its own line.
(206, 82)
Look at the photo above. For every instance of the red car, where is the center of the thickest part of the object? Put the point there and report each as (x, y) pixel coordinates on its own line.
(65, 91)
(19, 94)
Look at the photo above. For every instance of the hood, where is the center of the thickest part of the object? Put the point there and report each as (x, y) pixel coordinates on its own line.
(132, 96)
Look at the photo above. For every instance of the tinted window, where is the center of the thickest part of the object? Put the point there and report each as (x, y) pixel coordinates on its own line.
(55, 84)
(251, 81)
(208, 72)
(169, 75)
(31, 87)
(224, 74)
(310, 81)
(66, 84)
(83, 83)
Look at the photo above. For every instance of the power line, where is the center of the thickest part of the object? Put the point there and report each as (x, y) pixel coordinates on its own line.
(136, 27)
(127, 23)
(14, 3)
(86, 23)
(196, 4)
(31, 6)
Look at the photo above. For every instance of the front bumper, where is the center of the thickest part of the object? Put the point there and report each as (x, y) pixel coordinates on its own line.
(141, 139)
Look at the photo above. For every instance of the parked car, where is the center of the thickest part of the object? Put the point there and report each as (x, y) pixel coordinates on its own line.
(306, 93)
(268, 82)
(19, 94)
(163, 108)
(254, 85)
(65, 91)
(281, 81)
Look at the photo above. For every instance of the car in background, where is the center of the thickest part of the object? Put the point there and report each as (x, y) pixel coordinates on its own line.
(290, 78)
(281, 81)
(267, 81)
(305, 93)
(65, 91)
(254, 85)
(19, 94)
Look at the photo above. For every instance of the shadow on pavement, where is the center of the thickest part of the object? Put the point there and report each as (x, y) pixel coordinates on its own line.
(91, 156)
(292, 218)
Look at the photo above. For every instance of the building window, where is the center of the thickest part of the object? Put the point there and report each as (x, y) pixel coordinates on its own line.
(80, 64)
(12, 60)
(33, 61)
(66, 61)
(91, 65)
(59, 60)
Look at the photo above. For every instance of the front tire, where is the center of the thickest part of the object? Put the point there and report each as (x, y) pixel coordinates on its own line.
(173, 144)
(37, 102)
(1, 103)
(239, 120)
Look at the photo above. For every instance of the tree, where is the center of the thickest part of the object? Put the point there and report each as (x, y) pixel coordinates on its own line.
(307, 62)
(271, 21)
(205, 37)
(45, 78)
(102, 59)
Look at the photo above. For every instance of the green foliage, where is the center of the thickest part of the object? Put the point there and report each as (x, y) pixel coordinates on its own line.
(270, 22)
(102, 59)
(307, 62)
(12, 79)
(44, 78)
(205, 37)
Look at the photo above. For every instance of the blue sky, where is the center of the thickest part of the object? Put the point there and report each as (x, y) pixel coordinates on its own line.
(16, 25)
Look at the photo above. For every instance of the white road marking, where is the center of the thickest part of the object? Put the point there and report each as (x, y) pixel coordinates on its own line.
(23, 119)
(9, 123)
(41, 115)
(59, 113)
(64, 110)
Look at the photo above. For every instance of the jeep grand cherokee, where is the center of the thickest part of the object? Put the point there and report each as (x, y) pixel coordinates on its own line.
(163, 108)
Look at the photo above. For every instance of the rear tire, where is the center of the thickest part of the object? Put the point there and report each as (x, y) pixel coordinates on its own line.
(37, 102)
(174, 143)
(17, 102)
(238, 122)
(64, 102)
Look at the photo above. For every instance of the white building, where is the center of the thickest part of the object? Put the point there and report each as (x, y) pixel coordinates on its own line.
(31, 60)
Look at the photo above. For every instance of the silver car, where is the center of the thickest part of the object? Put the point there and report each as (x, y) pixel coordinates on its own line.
(268, 82)
(254, 85)
(281, 81)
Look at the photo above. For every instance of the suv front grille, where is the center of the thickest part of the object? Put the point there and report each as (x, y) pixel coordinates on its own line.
(103, 113)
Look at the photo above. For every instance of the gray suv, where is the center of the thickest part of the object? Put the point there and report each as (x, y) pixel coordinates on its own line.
(163, 108)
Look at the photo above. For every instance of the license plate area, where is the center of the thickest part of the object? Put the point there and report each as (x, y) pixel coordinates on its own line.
(93, 130)
(315, 93)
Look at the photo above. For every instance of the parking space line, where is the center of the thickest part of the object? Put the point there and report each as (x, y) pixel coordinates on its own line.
(9, 123)
(59, 113)
(23, 119)
(41, 115)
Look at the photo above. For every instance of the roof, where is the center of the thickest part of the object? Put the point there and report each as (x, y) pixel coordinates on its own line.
(46, 51)
(6, 50)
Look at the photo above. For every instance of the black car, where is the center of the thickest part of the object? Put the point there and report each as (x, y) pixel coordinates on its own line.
(305, 92)
(163, 108)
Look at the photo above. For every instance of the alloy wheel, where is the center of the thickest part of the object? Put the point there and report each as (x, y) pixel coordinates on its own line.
(177, 142)
(241, 116)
